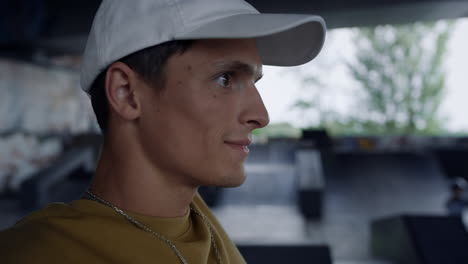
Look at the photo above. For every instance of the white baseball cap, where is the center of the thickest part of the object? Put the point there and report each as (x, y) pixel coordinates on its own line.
(122, 27)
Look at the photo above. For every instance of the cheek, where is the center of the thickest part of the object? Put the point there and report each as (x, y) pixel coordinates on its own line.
(189, 125)
(194, 113)
(187, 138)
(206, 109)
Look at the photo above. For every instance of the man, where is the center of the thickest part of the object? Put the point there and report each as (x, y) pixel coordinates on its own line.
(173, 87)
(457, 202)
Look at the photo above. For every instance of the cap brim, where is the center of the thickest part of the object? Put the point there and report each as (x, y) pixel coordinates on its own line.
(282, 39)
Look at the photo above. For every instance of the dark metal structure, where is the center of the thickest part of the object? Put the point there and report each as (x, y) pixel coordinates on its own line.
(32, 28)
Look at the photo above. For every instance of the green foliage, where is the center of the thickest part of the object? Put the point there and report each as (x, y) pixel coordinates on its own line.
(400, 78)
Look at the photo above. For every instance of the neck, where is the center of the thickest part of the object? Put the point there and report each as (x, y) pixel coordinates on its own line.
(131, 184)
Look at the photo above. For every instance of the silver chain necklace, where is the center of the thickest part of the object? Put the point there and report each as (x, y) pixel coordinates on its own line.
(157, 235)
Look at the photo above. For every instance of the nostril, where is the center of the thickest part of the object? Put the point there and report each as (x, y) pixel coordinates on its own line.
(255, 123)
(259, 122)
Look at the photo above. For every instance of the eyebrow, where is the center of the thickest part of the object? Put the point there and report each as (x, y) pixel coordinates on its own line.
(240, 66)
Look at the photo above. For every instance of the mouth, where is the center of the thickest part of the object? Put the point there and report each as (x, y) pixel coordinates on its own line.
(240, 145)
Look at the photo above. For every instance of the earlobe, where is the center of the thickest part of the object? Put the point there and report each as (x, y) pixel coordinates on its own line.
(121, 93)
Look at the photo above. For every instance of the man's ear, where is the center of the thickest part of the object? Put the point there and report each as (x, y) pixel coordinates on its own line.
(121, 91)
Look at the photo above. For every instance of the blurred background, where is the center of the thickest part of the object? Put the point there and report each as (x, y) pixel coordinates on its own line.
(365, 159)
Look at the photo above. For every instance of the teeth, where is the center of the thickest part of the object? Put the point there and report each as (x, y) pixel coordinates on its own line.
(246, 149)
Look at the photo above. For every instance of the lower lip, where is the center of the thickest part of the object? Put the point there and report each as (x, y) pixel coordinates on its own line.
(241, 148)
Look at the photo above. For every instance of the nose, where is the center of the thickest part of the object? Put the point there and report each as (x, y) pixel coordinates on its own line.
(254, 114)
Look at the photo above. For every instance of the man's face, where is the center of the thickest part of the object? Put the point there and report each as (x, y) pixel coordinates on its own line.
(196, 130)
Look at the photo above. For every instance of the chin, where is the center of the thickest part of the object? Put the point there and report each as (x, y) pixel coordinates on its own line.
(230, 180)
(235, 182)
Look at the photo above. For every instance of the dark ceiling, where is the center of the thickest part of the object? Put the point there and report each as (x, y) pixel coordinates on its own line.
(56, 27)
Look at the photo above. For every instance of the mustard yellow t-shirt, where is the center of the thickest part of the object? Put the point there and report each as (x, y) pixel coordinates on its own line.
(88, 232)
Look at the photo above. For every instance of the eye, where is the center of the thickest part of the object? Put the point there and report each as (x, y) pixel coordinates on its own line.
(224, 80)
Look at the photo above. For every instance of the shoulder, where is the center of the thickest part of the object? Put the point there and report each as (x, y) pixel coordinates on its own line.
(39, 235)
(42, 218)
(31, 234)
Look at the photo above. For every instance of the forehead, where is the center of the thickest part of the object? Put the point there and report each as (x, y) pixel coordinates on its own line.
(239, 54)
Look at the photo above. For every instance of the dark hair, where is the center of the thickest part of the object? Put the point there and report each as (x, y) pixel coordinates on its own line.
(148, 63)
